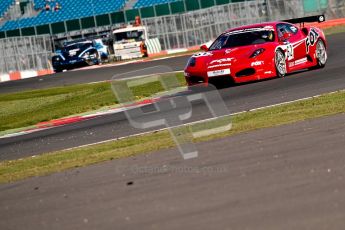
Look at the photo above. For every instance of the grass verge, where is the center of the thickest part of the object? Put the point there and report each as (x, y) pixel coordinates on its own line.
(325, 105)
(31, 107)
(334, 30)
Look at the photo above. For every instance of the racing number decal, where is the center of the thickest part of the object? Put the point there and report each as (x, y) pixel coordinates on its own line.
(311, 39)
(289, 52)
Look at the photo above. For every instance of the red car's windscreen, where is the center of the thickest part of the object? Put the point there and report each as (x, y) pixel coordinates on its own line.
(242, 38)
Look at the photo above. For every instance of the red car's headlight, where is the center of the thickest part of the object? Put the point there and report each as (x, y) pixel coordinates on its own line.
(257, 52)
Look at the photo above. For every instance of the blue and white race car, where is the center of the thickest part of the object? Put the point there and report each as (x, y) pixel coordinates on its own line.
(79, 53)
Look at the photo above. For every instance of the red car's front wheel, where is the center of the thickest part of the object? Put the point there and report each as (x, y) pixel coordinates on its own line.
(280, 63)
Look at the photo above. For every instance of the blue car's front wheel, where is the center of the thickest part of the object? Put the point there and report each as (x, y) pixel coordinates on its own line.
(95, 59)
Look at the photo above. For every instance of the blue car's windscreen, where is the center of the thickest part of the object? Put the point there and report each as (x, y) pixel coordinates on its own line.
(75, 49)
(82, 45)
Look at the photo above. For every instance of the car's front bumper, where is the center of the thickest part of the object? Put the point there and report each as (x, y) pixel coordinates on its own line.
(73, 63)
(238, 72)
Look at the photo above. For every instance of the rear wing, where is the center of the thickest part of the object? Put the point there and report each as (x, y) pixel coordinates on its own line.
(301, 21)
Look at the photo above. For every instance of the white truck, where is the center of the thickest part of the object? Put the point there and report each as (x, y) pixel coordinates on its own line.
(129, 42)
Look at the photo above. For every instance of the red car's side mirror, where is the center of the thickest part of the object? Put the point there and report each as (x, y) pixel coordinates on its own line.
(204, 48)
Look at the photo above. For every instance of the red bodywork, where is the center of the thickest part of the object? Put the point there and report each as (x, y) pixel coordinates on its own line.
(299, 49)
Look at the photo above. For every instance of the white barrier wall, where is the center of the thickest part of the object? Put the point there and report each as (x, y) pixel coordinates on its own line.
(153, 46)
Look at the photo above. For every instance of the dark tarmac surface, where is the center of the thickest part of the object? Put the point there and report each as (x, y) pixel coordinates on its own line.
(87, 75)
(239, 98)
(287, 177)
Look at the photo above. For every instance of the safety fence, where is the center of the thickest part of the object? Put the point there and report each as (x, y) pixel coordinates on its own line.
(336, 9)
(196, 27)
(25, 53)
(200, 26)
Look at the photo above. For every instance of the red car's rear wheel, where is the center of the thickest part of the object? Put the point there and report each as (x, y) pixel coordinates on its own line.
(321, 54)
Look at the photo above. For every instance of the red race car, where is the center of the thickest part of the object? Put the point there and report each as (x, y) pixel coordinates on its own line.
(259, 51)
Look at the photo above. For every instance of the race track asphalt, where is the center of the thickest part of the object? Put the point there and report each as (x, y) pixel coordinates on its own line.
(87, 75)
(239, 98)
(287, 177)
